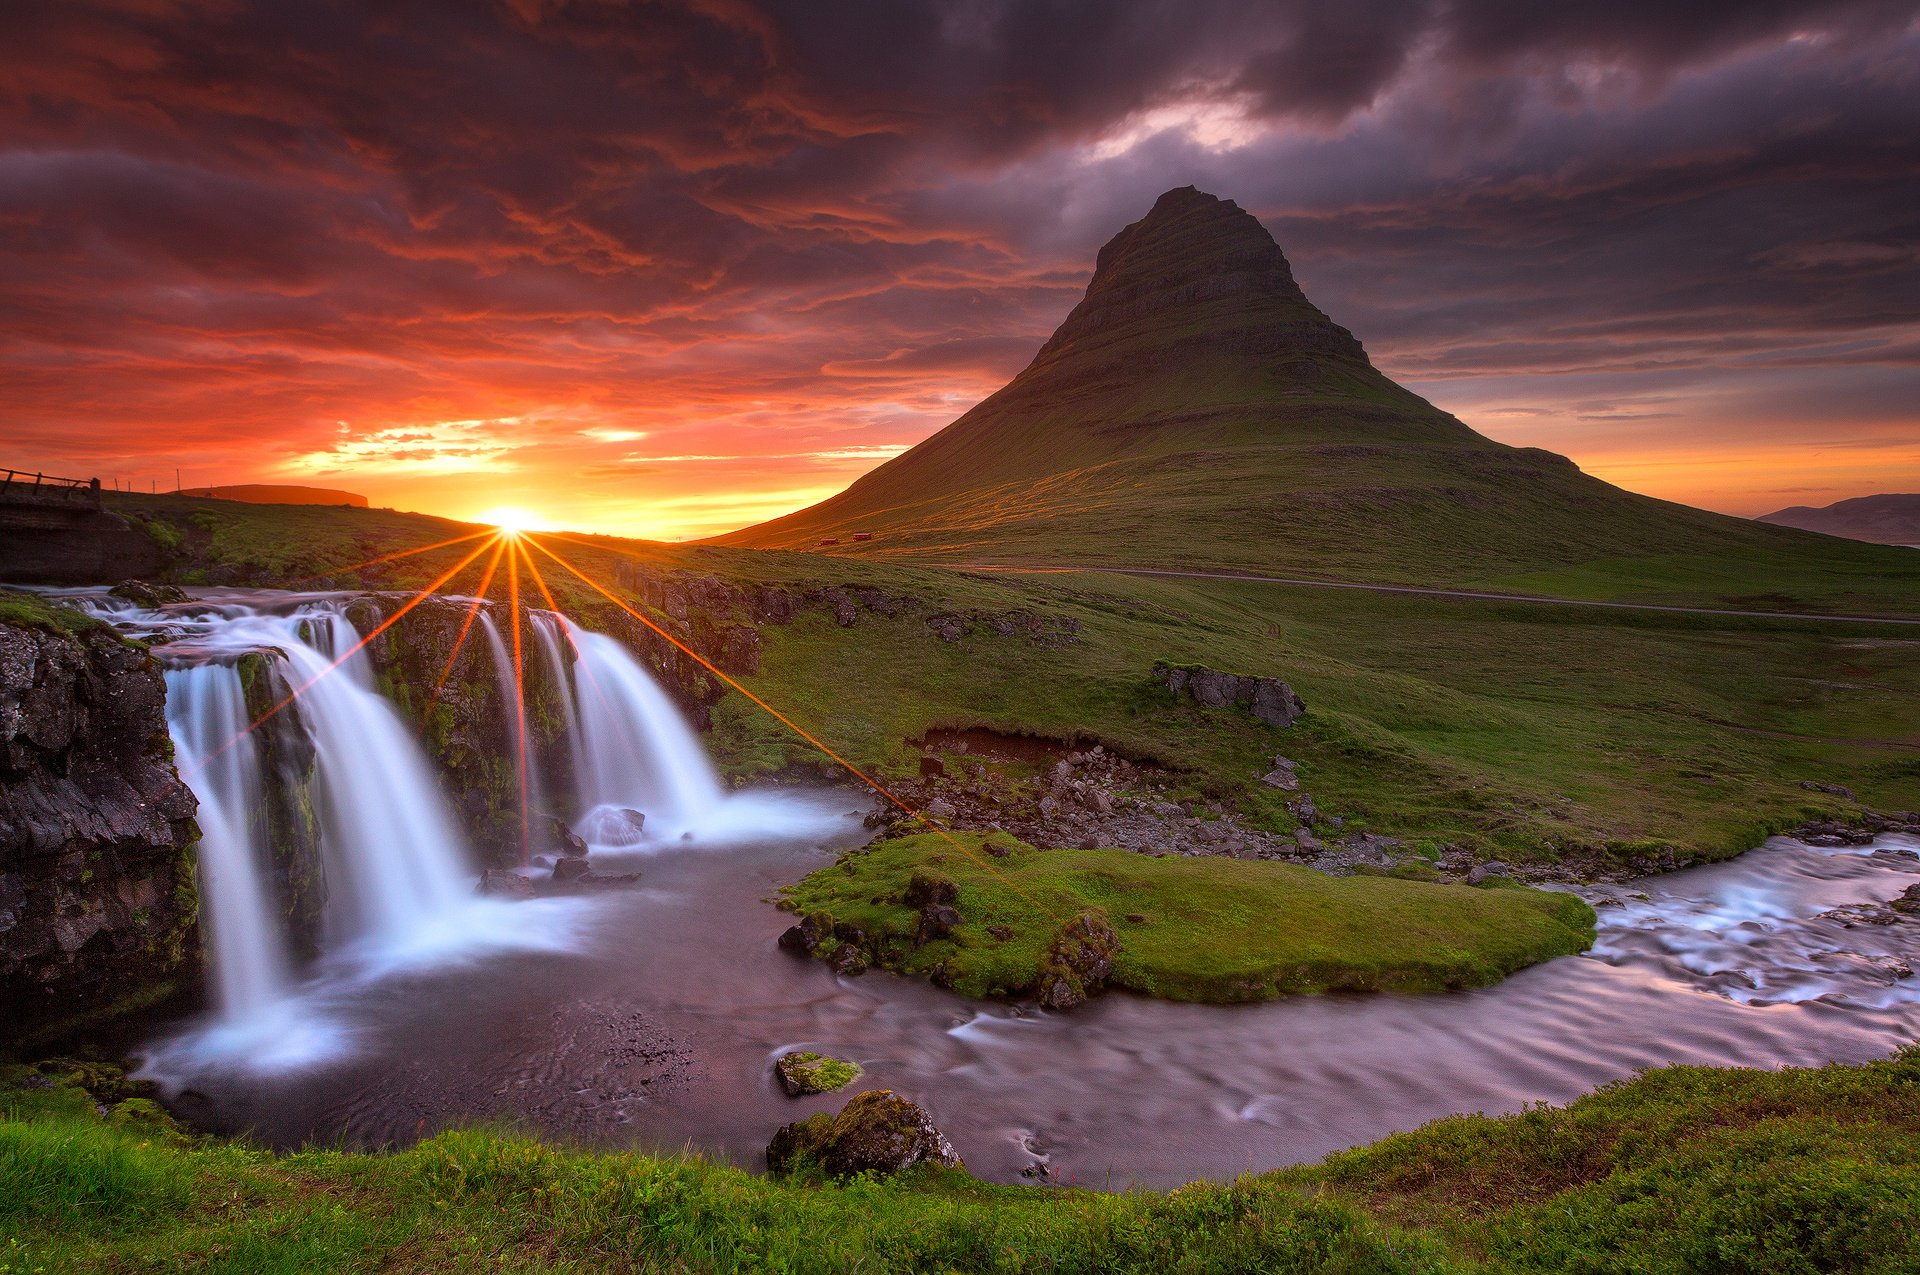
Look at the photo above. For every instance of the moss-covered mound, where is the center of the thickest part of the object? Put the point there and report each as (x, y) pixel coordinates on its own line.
(806, 1073)
(1197, 929)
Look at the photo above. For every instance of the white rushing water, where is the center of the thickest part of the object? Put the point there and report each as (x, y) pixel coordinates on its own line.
(634, 748)
(248, 953)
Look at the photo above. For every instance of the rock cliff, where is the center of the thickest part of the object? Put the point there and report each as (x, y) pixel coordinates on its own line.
(97, 894)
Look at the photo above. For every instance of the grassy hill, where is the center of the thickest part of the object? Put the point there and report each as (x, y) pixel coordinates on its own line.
(1197, 411)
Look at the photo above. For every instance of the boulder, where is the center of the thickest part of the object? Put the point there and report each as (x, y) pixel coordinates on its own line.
(936, 921)
(1267, 698)
(1077, 963)
(504, 883)
(801, 1074)
(928, 888)
(877, 1132)
(565, 840)
(948, 628)
(803, 938)
(612, 826)
(571, 868)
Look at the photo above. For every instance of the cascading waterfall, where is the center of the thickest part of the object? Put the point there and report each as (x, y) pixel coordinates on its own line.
(393, 856)
(207, 716)
(529, 769)
(635, 750)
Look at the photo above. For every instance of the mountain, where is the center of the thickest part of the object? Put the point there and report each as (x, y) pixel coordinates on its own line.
(1196, 410)
(270, 494)
(1887, 519)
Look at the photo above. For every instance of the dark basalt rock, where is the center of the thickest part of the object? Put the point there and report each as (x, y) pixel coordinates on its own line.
(1267, 698)
(97, 885)
(571, 868)
(877, 1132)
(564, 840)
(1078, 962)
(803, 939)
(143, 593)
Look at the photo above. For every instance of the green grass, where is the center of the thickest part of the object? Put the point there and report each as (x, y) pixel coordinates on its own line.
(1207, 929)
(818, 1073)
(30, 611)
(1682, 1170)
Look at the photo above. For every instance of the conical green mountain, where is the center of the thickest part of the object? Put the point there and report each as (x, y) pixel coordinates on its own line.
(1196, 410)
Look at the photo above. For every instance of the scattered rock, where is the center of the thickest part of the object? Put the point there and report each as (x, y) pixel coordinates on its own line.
(939, 808)
(925, 889)
(937, 921)
(805, 1073)
(1832, 790)
(504, 883)
(804, 938)
(877, 1132)
(1000, 933)
(1307, 842)
(948, 628)
(1280, 778)
(1077, 963)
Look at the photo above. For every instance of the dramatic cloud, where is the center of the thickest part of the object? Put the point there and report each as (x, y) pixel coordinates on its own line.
(669, 268)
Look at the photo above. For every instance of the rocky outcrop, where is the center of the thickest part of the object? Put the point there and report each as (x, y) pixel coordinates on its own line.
(1078, 962)
(877, 1132)
(804, 1073)
(97, 894)
(1267, 698)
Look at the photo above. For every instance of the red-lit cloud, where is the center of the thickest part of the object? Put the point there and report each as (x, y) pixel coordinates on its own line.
(665, 269)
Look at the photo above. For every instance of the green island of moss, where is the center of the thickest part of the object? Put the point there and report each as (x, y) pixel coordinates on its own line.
(807, 1072)
(1191, 929)
(1684, 1169)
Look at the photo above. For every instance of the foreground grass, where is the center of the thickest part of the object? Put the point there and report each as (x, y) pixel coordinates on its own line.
(1681, 1170)
(1200, 929)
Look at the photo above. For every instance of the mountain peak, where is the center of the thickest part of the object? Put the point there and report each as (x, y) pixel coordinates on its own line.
(1204, 266)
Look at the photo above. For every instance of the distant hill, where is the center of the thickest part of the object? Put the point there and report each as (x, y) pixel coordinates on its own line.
(1885, 519)
(1197, 410)
(269, 494)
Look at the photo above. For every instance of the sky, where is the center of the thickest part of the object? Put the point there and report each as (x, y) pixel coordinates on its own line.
(666, 269)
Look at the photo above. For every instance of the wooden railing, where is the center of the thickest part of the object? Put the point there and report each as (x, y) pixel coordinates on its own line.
(20, 487)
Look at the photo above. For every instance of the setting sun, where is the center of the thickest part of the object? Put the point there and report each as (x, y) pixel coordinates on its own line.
(514, 521)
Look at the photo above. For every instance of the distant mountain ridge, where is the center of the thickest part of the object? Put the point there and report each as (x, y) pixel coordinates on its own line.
(1196, 409)
(277, 494)
(1886, 519)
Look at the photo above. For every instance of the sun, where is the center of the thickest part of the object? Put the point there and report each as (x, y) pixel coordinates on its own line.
(512, 521)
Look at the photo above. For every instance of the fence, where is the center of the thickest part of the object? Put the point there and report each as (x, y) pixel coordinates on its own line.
(19, 487)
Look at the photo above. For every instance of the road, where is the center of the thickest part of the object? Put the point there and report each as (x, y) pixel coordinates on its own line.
(1539, 599)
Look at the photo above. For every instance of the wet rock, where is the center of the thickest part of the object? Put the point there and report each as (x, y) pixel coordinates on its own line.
(613, 826)
(502, 883)
(143, 593)
(571, 868)
(877, 1132)
(1908, 904)
(564, 840)
(803, 939)
(848, 960)
(804, 1073)
(1078, 962)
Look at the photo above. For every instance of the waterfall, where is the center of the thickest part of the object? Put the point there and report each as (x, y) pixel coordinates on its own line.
(634, 747)
(393, 857)
(207, 716)
(529, 769)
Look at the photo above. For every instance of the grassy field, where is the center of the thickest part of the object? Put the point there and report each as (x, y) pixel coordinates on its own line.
(1513, 730)
(1199, 929)
(1682, 1170)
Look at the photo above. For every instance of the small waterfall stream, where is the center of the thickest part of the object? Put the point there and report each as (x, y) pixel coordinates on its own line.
(635, 749)
(248, 954)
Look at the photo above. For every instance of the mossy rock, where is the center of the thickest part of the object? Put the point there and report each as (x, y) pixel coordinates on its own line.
(810, 1073)
(877, 1132)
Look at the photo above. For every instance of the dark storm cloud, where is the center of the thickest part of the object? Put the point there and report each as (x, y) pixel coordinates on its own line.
(226, 218)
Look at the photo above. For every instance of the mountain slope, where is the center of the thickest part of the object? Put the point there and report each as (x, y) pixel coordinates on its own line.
(1196, 410)
(1887, 519)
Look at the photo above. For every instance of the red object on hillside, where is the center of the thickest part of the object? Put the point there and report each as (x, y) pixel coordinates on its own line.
(830, 540)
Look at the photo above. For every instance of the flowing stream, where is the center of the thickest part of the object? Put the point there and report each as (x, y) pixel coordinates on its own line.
(650, 1016)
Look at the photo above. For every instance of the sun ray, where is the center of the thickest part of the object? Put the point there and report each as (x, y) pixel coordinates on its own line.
(519, 695)
(793, 726)
(342, 658)
(466, 627)
(394, 557)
